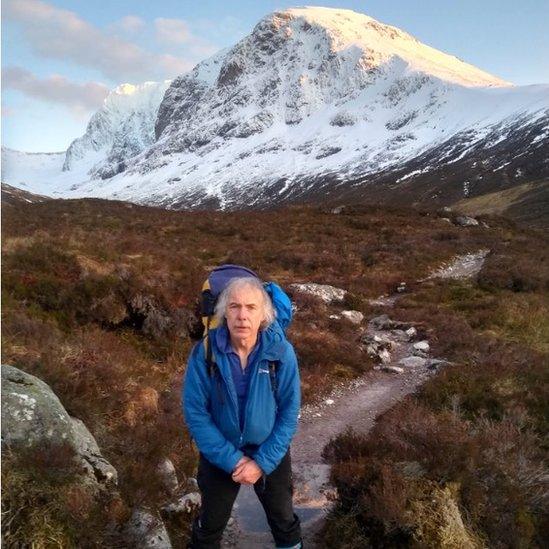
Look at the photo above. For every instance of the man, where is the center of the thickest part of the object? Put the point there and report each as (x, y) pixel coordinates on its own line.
(243, 417)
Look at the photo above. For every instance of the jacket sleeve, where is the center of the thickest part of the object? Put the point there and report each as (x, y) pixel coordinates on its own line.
(273, 449)
(209, 439)
(281, 303)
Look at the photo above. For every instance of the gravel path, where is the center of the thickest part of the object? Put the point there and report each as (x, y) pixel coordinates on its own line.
(355, 405)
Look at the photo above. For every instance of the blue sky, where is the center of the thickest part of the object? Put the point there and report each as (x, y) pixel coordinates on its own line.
(60, 57)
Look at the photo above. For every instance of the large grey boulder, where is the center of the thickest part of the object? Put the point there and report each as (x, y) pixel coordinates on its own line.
(33, 416)
(31, 412)
(413, 362)
(421, 347)
(379, 347)
(328, 294)
(461, 266)
(466, 221)
(411, 333)
(356, 317)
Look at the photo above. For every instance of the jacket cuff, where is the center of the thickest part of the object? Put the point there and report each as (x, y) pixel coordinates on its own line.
(263, 465)
(237, 456)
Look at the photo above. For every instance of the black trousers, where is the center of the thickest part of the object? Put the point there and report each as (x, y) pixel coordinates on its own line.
(219, 492)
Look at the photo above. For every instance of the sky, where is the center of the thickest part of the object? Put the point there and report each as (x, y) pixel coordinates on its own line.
(61, 57)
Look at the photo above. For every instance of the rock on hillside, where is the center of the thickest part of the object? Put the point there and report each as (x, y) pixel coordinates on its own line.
(32, 416)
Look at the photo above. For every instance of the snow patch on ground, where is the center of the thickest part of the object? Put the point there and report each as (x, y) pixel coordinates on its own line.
(461, 266)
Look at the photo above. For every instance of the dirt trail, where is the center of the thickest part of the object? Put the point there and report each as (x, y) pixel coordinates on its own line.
(357, 405)
(462, 266)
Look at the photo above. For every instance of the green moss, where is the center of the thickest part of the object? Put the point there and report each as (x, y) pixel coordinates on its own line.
(45, 504)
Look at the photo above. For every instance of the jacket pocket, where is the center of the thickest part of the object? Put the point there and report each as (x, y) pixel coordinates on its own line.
(261, 410)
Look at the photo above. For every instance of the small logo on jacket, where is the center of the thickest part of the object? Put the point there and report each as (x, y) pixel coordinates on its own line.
(263, 371)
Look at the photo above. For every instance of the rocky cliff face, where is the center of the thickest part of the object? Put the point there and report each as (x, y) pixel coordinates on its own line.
(120, 130)
(316, 99)
(297, 63)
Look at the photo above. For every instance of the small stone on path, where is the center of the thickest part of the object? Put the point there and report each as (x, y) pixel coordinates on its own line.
(412, 361)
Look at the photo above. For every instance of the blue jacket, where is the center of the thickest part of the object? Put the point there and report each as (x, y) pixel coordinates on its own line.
(270, 421)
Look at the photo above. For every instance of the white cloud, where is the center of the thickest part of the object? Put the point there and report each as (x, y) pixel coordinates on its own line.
(131, 23)
(61, 34)
(174, 31)
(80, 98)
(177, 33)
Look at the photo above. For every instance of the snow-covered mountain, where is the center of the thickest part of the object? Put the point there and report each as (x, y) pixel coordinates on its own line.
(122, 128)
(32, 172)
(316, 103)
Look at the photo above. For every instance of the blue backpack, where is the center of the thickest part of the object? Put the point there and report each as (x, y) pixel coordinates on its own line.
(211, 289)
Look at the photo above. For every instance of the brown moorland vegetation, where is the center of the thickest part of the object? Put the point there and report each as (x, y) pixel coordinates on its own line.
(464, 462)
(98, 299)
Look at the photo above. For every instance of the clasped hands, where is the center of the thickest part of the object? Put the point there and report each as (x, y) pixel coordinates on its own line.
(247, 471)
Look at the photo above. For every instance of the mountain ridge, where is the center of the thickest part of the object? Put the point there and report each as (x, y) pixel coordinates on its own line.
(319, 94)
(119, 130)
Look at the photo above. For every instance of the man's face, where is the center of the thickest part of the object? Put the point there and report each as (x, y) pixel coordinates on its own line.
(244, 313)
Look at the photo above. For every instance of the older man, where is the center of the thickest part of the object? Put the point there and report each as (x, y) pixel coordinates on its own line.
(244, 414)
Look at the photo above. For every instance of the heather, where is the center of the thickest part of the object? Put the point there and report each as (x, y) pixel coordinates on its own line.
(463, 463)
(99, 301)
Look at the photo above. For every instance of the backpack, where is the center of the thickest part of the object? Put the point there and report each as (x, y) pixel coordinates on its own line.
(211, 289)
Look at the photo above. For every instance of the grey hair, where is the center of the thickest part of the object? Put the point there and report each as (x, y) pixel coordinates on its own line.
(269, 313)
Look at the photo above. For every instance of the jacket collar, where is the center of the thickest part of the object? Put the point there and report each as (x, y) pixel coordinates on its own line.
(271, 340)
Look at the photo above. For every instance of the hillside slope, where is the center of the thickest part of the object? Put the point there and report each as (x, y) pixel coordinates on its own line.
(98, 300)
(321, 104)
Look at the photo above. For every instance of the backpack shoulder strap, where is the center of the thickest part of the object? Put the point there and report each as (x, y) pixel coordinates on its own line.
(213, 369)
(273, 365)
(210, 362)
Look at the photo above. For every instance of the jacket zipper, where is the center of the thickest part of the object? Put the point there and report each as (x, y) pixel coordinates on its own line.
(235, 402)
(232, 394)
(252, 383)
